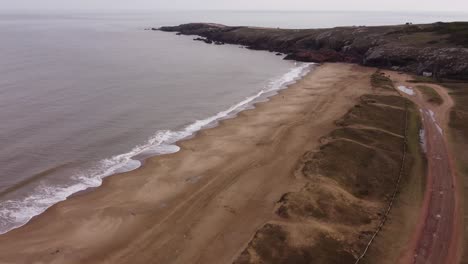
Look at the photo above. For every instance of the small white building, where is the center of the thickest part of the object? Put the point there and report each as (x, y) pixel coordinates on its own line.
(427, 74)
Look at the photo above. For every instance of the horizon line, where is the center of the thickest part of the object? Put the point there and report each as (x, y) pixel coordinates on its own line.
(224, 10)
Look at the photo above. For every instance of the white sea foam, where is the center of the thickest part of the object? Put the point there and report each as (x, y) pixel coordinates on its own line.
(406, 90)
(129, 166)
(15, 213)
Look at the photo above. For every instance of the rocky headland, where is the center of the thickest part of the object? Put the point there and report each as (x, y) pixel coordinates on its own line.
(437, 50)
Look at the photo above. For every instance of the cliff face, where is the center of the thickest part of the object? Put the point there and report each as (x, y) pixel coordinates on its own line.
(440, 49)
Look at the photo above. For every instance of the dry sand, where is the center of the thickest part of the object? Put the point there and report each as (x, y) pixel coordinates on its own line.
(204, 203)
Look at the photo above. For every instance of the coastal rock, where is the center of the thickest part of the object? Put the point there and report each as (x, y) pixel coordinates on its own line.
(439, 48)
(318, 56)
(207, 41)
(389, 56)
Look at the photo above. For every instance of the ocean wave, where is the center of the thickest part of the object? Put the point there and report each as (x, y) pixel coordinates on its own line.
(17, 212)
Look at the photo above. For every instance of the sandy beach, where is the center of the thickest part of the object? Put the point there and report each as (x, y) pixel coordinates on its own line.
(204, 203)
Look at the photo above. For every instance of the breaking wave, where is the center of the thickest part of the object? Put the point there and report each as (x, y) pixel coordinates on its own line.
(17, 212)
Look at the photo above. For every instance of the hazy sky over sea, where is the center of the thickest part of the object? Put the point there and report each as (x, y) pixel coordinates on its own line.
(355, 5)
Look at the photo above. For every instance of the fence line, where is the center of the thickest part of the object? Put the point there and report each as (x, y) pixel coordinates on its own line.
(397, 187)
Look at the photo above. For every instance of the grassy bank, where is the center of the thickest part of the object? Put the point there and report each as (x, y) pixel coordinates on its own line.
(349, 182)
(459, 134)
(392, 240)
(430, 94)
(379, 80)
(458, 124)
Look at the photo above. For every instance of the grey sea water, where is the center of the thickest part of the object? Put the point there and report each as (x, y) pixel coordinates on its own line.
(86, 95)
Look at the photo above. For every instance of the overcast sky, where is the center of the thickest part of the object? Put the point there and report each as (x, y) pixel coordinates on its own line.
(387, 5)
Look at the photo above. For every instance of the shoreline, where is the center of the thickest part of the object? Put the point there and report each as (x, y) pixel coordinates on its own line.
(167, 140)
(193, 197)
(143, 157)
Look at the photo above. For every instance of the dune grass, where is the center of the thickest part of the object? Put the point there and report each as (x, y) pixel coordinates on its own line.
(430, 94)
(422, 79)
(379, 80)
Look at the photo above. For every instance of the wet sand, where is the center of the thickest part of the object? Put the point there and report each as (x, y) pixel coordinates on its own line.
(204, 203)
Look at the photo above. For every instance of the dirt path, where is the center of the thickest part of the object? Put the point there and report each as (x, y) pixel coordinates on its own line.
(204, 203)
(437, 236)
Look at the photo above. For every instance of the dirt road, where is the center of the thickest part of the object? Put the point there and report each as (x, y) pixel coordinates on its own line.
(436, 239)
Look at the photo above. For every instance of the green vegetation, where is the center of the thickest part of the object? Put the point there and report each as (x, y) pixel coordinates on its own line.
(453, 32)
(422, 79)
(430, 94)
(365, 155)
(372, 112)
(388, 245)
(457, 32)
(379, 80)
(458, 90)
(415, 152)
(424, 39)
(459, 132)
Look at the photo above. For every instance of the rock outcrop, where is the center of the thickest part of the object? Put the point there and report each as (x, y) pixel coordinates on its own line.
(440, 48)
